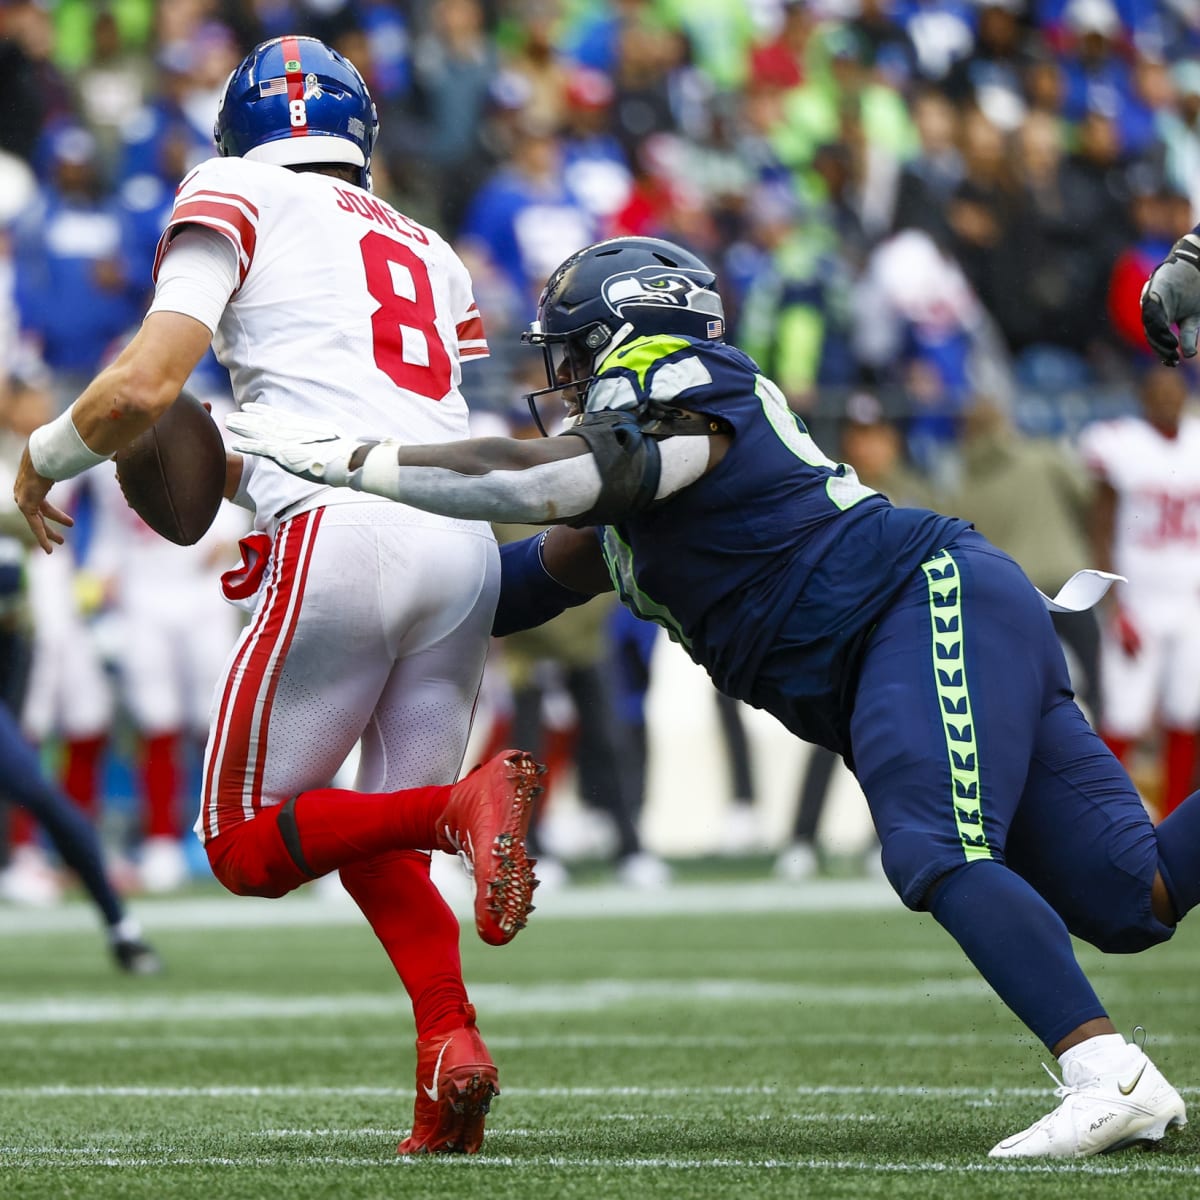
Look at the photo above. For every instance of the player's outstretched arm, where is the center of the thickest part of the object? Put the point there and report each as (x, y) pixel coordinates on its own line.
(541, 481)
(1170, 297)
(492, 479)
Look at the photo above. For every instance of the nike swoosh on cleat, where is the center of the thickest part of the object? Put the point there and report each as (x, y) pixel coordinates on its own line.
(432, 1093)
(1128, 1091)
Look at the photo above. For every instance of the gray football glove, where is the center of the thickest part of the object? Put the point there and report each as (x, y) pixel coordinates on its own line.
(305, 446)
(1172, 297)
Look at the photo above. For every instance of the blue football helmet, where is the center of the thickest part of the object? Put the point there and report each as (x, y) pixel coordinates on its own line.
(605, 294)
(293, 101)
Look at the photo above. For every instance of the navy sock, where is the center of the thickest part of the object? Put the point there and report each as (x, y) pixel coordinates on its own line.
(1019, 944)
(1179, 855)
(25, 784)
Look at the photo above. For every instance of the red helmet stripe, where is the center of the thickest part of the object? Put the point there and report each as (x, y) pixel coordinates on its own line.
(290, 49)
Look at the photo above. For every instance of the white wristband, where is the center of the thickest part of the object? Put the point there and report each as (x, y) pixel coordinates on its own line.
(379, 473)
(58, 452)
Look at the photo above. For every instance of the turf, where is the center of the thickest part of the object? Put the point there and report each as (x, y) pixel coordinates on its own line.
(837, 1050)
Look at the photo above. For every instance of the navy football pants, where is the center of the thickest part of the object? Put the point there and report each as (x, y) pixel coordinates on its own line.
(969, 747)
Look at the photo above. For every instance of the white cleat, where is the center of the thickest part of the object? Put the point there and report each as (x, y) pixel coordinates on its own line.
(163, 866)
(29, 880)
(1129, 1103)
(797, 863)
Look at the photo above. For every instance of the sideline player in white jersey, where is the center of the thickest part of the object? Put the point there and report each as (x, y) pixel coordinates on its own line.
(371, 620)
(1146, 526)
(168, 632)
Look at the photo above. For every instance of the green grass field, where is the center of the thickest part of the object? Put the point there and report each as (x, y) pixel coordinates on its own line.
(731, 1040)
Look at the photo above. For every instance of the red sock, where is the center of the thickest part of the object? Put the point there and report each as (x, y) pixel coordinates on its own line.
(419, 932)
(160, 784)
(1120, 746)
(559, 750)
(321, 831)
(81, 771)
(21, 829)
(1179, 752)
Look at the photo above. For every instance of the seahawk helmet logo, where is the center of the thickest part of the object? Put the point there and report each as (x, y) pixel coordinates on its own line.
(659, 286)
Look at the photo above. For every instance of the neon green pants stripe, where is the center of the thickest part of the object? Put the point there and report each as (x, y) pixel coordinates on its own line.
(954, 700)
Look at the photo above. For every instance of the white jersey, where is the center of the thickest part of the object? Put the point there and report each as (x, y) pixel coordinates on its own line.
(345, 310)
(1156, 536)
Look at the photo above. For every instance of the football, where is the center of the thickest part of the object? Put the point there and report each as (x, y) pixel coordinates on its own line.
(173, 474)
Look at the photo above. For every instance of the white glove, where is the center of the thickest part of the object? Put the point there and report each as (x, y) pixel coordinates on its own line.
(305, 446)
(1172, 297)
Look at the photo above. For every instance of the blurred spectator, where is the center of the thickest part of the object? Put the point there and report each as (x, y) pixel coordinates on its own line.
(1179, 129)
(840, 84)
(80, 26)
(992, 76)
(111, 85)
(595, 167)
(643, 105)
(454, 70)
(796, 318)
(167, 630)
(941, 32)
(1146, 526)
(929, 179)
(720, 35)
(981, 207)
(1159, 217)
(536, 60)
(524, 218)
(926, 333)
(1097, 76)
(175, 126)
(1045, 84)
(1061, 243)
(74, 285)
(594, 39)
(888, 46)
(1032, 497)
(35, 91)
(779, 63)
(383, 44)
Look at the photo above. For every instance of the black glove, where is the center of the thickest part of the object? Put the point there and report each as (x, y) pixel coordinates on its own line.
(1172, 297)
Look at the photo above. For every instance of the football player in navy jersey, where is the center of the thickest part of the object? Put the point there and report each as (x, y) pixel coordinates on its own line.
(899, 638)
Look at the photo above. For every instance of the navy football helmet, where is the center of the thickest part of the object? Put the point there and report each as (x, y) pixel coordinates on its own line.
(294, 100)
(603, 295)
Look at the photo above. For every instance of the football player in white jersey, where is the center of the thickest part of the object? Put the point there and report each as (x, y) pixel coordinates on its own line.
(168, 631)
(371, 620)
(1146, 526)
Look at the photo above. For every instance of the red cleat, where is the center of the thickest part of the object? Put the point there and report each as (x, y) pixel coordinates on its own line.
(486, 822)
(456, 1080)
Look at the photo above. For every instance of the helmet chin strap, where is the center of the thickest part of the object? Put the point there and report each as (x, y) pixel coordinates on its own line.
(621, 336)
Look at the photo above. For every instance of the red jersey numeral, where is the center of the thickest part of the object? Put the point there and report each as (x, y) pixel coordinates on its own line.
(408, 346)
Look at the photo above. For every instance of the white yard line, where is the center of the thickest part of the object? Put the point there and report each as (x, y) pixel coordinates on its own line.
(320, 1091)
(97, 1157)
(574, 903)
(595, 995)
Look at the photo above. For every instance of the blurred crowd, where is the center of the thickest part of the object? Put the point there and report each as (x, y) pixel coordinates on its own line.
(935, 213)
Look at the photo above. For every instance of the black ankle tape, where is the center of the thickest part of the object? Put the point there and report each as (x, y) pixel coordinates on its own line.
(290, 833)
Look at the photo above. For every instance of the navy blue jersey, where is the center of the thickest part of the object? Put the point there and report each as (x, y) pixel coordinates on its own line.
(772, 568)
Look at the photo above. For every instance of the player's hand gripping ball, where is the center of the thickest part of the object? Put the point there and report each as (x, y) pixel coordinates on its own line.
(173, 474)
